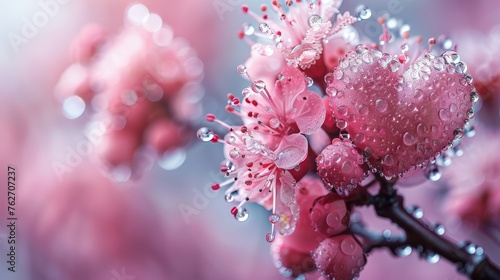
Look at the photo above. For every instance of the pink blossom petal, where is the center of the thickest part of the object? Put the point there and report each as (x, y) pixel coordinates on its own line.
(291, 151)
(310, 112)
(286, 206)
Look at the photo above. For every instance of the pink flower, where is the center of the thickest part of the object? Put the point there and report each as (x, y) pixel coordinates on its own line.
(301, 35)
(474, 181)
(139, 83)
(262, 153)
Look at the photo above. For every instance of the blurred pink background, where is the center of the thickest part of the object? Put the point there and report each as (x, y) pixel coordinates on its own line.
(84, 225)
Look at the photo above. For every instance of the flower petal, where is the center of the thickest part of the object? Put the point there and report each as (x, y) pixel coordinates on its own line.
(286, 204)
(310, 112)
(291, 151)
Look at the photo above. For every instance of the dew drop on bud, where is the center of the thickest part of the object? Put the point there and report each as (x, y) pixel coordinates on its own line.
(205, 134)
(470, 131)
(313, 20)
(363, 12)
(432, 172)
(451, 57)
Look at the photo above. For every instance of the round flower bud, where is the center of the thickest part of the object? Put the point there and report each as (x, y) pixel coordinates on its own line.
(340, 257)
(329, 215)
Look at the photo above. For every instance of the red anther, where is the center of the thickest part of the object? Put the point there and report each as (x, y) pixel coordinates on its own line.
(256, 127)
(248, 182)
(381, 20)
(266, 165)
(298, 1)
(215, 139)
(247, 100)
(283, 17)
(215, 186)
(275, 3)
(265, 16)
(244, 129)
(254, 103)
(234, 211)
(432, 41)
(278, 33)
(250, 114)
(244, 8)
(249, 164)
(230, 96)
(241, 34)
(229, 108)
(402, 58)
(419, 39)
(224, 169)
(236, 101)
(210, 117)
(263, 8)
(250, 175)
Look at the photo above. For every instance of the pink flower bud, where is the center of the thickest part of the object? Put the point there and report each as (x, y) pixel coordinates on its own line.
(329, 215)
(340, 257)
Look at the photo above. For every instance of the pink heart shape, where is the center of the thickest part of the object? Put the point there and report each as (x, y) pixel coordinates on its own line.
(400, 116)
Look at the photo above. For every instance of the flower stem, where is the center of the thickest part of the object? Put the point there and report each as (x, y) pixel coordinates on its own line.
(469, 261)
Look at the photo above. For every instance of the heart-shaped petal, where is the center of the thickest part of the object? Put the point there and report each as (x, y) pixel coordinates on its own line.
(401, 115)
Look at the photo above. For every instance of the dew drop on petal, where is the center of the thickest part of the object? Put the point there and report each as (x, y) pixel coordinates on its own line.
(242, 69)
(242, 215)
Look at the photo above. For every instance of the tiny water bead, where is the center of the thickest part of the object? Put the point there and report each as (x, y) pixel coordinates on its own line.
(205, 134)
(363, 12)
(432, 172)
(404, 251)
(431, 257)
(416, 212)
(314, 20)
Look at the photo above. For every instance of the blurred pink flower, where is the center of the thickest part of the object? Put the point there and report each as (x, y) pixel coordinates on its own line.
(143, 84)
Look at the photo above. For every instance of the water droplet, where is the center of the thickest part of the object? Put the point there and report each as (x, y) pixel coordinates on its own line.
(274, 122)
(443, 160)
(363, 12)
(348, 246)
(264, 28)
(270, 237)
(451, 57)
(431, 257)
(274, 218)
(229, 197)
(361, 49)
(338, 74)
(258, 86)
(314, 20)
(234, 153)
(342, 110)
(416, 212)
(172, 159)
(444, 115)
(344, 135)
(242, 69)
(470, 131)
(393, 65)
(248, 29)
(405, 47)
(403, 31)
(439, 229)
(461, 68)
(409, 139)
(432, 172)
(389, 160)
(418, 93)
(404, 251)
(242, 215)
(121, 173)
(205, 134)
(342, 124)
(381, 105)
(309, 81)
